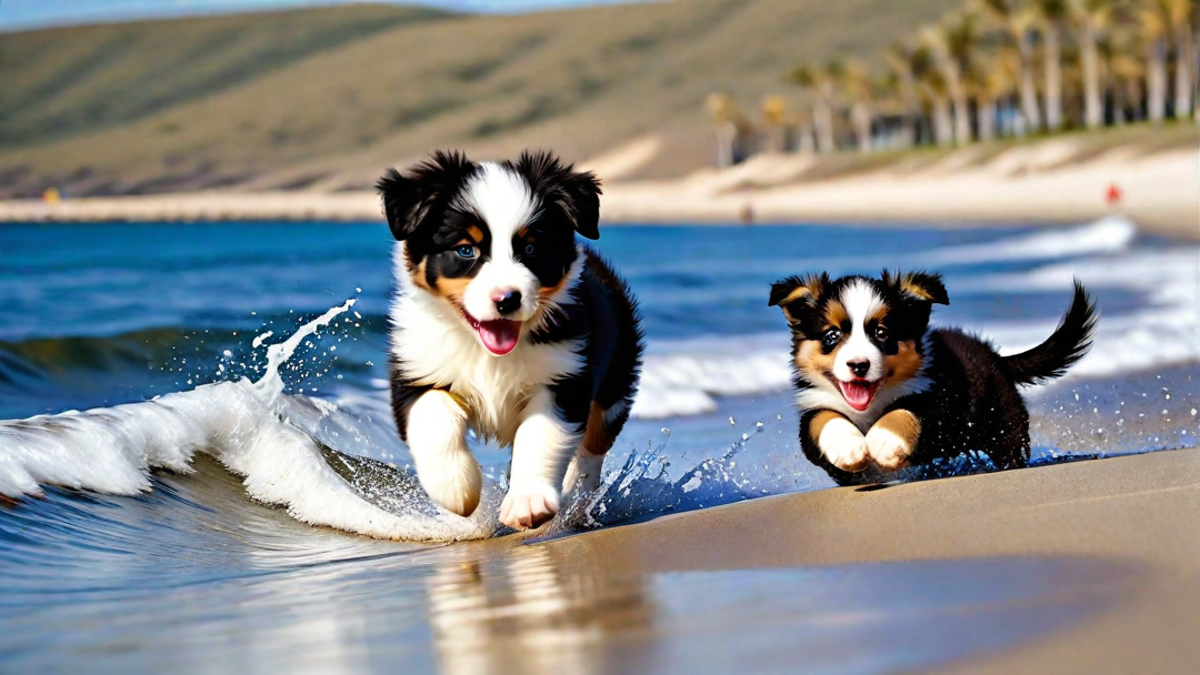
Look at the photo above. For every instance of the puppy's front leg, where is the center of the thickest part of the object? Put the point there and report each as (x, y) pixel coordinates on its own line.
(542, 450)
(447, 469)
(839, 440)
(893, 438)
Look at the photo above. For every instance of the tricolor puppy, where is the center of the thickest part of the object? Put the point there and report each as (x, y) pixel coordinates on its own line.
(878, 390)
(503, 323)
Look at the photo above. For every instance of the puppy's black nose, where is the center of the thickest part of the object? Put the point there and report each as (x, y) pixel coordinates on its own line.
(859, 368)
(507, 302)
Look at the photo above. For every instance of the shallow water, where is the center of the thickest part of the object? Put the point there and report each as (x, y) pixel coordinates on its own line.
(199, 566)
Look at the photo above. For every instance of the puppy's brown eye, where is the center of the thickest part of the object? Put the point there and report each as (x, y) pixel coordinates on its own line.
(881, 333)
(831, 338)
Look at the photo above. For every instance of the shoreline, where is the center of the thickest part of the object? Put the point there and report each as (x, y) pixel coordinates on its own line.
(1138, 510)
(1024, 186)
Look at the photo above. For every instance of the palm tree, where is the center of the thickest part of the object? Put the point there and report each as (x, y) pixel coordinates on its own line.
(774, 112)
(991, 76)
(932, 88)
(855, 80)
(1051, 15)
(1156, 31)
(1015, 19)
(1093, 17)
(1126, 71)
(904, 60)
(953, 39)
(725, 115)
(1177, 15)
(818, 82)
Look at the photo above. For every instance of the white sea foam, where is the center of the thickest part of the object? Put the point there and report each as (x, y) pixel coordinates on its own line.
(245, 425)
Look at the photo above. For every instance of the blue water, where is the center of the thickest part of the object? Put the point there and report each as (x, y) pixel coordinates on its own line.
(93, 316)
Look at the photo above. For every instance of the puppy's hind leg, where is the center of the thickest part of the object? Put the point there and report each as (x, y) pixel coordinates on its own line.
(585, 470)
(447, 469)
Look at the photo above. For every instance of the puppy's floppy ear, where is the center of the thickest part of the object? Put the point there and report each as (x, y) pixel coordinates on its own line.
(577, 193)
(795, 294)
(408, 198)
(918, 286)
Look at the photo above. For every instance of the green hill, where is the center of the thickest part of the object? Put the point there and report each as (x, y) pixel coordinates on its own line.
(325, 98)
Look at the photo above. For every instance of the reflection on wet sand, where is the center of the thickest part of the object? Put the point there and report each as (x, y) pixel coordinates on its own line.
(525, 612)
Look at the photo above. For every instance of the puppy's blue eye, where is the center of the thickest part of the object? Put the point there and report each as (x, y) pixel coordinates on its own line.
(529, 249)
(466, 252)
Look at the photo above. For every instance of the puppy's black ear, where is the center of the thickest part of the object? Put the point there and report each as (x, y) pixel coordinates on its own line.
(577, 193)
(918, 286)
(795, 294)
(407, 199)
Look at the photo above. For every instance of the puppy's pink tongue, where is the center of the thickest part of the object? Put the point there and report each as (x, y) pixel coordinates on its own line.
(500, 336)
(857, 394)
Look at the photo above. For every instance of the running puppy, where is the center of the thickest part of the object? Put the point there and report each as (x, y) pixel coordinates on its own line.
(876, 387)
(503, 323)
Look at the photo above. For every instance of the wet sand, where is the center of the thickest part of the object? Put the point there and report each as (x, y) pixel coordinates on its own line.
(1141, 511)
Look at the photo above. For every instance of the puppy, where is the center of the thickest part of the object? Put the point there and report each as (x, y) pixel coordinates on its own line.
(504, 324)
(877, 388)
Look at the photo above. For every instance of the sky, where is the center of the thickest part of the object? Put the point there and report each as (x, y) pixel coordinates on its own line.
(25, 14)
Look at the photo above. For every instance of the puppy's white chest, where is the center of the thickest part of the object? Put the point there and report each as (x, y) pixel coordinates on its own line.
(437, 348)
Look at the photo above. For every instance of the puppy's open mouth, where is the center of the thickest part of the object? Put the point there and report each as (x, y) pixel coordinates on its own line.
(500, 336)
(858, 393)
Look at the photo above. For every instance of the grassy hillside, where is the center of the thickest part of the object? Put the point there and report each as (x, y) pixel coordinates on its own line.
(326, 98)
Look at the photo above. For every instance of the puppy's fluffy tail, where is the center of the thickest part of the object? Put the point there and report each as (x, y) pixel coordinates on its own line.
(1069, 342)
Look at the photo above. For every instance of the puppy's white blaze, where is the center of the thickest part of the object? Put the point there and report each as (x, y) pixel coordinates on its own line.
(843, 444)
(503, 199)
(447, 469)
(499, 277)
(438, 348)
(860, 301)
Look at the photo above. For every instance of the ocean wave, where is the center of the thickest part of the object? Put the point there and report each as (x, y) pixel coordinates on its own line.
(247, 426)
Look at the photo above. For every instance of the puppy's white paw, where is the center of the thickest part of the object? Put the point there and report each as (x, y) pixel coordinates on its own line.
(528, 506)
(889, 451)
(843, 445)
(453, 483)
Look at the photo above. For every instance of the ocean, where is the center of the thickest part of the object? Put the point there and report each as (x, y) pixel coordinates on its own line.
(195, 429)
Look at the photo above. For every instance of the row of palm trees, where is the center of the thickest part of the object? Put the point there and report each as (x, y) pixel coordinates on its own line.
(993, 67)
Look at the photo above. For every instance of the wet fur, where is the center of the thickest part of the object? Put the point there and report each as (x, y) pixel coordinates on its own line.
(947, 392)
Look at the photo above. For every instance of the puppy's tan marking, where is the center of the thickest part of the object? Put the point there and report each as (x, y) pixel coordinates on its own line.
(598, 438)
(475, 233)
(416, 271)
(904, 364)
(812, 362)
(453, 289)
(893, 438)
(836, 315)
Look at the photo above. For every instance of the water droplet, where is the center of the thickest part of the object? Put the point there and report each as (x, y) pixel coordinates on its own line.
(732, 422)
(357, 289)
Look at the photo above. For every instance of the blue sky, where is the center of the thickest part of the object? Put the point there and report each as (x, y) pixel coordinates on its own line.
(23, 14)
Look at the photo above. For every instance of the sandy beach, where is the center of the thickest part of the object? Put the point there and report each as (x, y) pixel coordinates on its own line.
(1136, 516)
(1046, 182)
